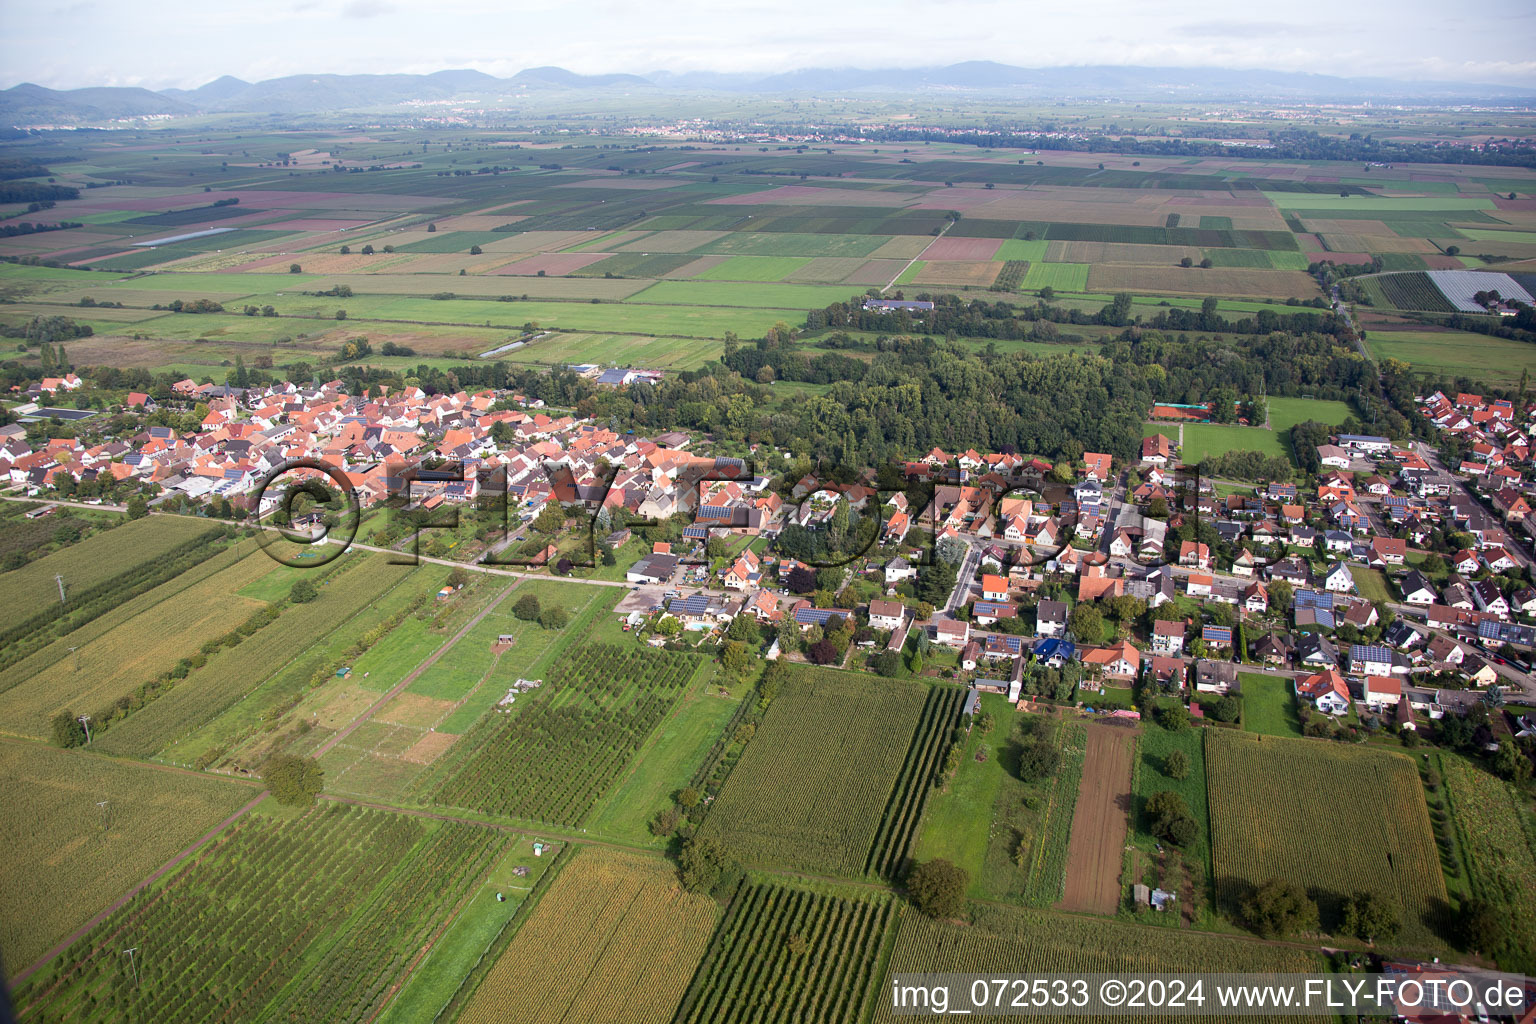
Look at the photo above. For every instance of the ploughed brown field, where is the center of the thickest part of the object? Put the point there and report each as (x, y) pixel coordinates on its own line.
(1100, 822)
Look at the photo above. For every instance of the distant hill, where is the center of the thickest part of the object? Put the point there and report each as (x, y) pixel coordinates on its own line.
(322, 94)
(33, 104)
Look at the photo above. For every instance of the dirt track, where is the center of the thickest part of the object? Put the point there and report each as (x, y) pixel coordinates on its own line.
(1099, 822)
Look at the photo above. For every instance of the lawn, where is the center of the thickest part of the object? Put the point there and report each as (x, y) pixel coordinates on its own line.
(1202, 440)
(1371, 583)
(958, 822)
(435, 979)
(1269, 705)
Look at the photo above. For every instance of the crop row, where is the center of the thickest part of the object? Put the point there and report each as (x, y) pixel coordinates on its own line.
(785, 955)
(564, 744)
(109, 666)
(229, 929)
(98, 574)
(1373, 832)
(941, 713)
(231, 674)
(350, 982)
(615, 940)
(812, 787)
(1413, 291)
(1502, 850)
(1051, 943)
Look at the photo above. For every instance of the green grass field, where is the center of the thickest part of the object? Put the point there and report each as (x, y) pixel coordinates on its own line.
(1456, 353)
(1202, 440)
(753, 268)
(1064, 277)
(1269, 705)
(1371, 583)
(958, 821)
(1285, 413)
(665, 763)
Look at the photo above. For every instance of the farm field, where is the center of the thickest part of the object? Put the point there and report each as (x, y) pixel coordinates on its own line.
(615, 938)
(372, 885)
(96, 560)
(1051, 942)
(560, 747)
(227, 677)
(1255, 779)
(1456, 354)
(1099, 822)
(134, 651)
(835, 778)
(751, 974)
(958, 821)
(97, 852)
(1497, 834)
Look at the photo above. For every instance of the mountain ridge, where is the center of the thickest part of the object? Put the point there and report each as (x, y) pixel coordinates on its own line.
(329, 93)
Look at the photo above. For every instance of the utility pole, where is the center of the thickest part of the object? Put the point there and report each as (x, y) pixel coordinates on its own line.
(130, 951)
(106, 814)
(85, 720)
(76, 652)
(60, 580)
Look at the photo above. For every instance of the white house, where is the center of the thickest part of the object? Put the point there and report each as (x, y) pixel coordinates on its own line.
(1339, 579)
(1168, 637)
(885, 614)
(1326, 690)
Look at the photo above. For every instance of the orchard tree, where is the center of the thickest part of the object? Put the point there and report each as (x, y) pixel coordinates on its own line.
(294, 781)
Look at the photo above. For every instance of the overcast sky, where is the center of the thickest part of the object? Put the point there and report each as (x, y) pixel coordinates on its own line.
(186, 43)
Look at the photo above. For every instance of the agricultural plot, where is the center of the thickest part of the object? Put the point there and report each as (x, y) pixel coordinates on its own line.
(134, 652)
(957, 274)
(1048, 942)
(789, 243)
(1413, 291)
(556, 752)
(1174, 280)
(96, 560)
(372, 887)
(753, 975)
(1099, 822)
(814, 788)
(1064, 277)
(77, 832)
(233, 672)
(1496, 832)
(1372, 833)
(1459, 287)
(753, 268)
(1456, 353)
(615, 938)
